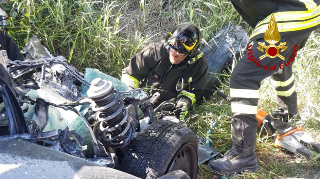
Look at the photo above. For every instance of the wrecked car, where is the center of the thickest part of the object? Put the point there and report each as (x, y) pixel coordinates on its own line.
(54, 112)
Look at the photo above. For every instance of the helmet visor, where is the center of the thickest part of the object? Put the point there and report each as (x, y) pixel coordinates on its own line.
(3, 17)
(183, 42)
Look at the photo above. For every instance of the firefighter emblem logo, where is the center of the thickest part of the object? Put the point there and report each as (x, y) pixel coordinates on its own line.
(272, 36)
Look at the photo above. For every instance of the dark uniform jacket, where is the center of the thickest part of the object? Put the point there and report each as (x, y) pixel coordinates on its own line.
(8, 44)
(292, 16)
(152, 68)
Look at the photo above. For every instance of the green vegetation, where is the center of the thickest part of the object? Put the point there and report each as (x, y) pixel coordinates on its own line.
(105, 34)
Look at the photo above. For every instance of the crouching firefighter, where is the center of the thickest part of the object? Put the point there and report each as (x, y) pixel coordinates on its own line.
(175, 68)
(8, 45)
(295, 21)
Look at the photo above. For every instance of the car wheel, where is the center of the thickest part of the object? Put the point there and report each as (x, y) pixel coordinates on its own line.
(163, 147)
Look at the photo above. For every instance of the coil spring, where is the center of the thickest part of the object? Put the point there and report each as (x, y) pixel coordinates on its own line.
(112, 120)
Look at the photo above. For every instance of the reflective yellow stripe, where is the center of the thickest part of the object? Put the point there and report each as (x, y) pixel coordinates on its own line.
(130, 81)
(190, 47)
(310, 4)
(288, 27)
(243, 108)
(287, 93)
(282, 83)
(198, 57)
(282, 17)
(293, 15)
(244, 93)
(189, 95)
(290, 16)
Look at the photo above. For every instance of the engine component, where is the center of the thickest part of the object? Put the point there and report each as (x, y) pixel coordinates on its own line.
(41, 70)
(56, 78)
(112, 127)
(71, 142)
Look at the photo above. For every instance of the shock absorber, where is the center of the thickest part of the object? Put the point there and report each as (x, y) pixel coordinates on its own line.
(112, 127)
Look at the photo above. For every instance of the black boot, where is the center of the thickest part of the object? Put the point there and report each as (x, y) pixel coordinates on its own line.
(241, 157)
(235, 161)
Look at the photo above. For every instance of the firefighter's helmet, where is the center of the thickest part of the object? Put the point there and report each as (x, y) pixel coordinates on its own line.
(185, 39)
(3, 17)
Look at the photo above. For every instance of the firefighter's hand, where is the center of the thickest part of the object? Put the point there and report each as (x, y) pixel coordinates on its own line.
(180, 113)
(181, 109)
(130, 81)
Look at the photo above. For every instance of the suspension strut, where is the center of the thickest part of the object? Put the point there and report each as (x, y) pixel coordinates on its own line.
(112, 127)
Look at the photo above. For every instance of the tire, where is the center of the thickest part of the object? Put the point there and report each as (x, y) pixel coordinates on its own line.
(163, 147)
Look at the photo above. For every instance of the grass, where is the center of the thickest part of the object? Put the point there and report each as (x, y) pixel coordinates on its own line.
(105, 34)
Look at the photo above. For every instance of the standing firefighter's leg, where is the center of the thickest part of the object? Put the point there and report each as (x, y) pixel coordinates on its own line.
(283, 82)
(244, 92)
(241, 157)
(244, 99)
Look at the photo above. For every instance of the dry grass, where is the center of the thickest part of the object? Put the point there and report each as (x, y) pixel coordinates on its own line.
(104, 34)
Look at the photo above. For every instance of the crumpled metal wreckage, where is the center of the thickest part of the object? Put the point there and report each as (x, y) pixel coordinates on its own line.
(92, 116)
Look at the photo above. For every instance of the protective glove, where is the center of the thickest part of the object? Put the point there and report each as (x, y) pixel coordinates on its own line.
(130, 81)
(182, 106)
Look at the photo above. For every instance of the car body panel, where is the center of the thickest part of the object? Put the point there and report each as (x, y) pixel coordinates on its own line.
(22, 159)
